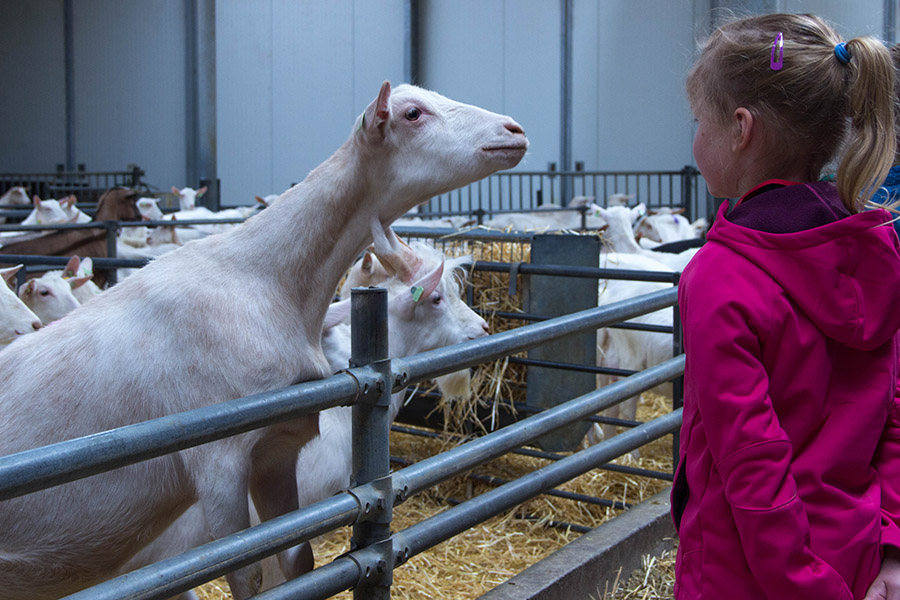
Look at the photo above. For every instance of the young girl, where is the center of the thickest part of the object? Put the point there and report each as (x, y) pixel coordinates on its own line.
(789, 480)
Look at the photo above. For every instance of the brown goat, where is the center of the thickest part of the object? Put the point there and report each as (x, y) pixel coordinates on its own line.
(116, 204)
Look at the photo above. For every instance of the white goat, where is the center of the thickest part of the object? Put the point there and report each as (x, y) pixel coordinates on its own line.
(187, 197)
(549, 217)
(16, 319)
(438, 318)
(628, 348)
(46, 212)
(149, 208)
(77, 269)
(620, 236)
(366, 272)
(261, 290)
(15, 196)
(140, 236)
(664, 225)
(72, 212)
(51, 296)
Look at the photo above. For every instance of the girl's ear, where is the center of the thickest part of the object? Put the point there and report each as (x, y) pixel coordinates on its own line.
(744, 128)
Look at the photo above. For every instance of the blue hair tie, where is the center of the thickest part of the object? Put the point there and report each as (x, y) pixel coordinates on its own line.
(842, 54)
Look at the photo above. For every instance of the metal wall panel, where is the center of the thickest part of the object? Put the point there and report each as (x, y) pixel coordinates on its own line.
(129, 67)
(503, 55)
(32, 96)
(630, 62)
(293, 76)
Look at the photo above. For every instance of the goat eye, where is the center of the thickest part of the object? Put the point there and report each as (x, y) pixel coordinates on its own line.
(436, 300)
(412, 114)
(44, 292)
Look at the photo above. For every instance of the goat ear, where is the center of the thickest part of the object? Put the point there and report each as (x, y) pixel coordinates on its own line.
(377, 114)
(77, 282)
(201, 191)
(421, 290)
(428, 283)
(338, 312)
(176, 191)
(28, 288)
(9, 273)
(72, 266)
(37, 201)
(368, 261)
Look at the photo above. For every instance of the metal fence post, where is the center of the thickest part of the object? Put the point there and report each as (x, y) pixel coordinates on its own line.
(112, 234)
(556, 296)
(136, 174)
(371, 450)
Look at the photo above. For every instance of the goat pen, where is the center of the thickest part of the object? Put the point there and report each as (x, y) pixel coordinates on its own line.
(368, 505)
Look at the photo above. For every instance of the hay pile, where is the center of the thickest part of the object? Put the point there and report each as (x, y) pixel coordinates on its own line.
(470, 564)
(478, 560)
(655, 580)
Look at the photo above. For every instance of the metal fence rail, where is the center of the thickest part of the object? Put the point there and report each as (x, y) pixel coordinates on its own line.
(368, 568)
(86, 186)
(526, 190)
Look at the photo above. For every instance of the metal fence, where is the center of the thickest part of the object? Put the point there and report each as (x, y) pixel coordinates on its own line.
(368, 506)
(86, 186)
(526, 190)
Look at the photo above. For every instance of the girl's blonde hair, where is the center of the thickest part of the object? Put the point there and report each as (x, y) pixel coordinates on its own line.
(814, 105)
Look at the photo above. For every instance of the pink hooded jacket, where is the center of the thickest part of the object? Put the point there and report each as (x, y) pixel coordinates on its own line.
(788, 484)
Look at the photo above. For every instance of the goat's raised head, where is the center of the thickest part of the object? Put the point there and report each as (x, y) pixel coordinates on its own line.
(420, 144)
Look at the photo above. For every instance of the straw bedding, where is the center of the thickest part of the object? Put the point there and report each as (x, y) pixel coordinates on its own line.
(470, 564)
(478, 560)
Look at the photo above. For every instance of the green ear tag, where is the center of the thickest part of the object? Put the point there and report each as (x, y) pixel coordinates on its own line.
(416, 292)
(362, 123)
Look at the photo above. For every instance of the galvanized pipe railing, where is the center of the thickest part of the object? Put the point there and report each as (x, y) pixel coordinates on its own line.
(433, 363)
(154, 438)
(440, 467)
(226, 554)
(40, 468)
(341, 573)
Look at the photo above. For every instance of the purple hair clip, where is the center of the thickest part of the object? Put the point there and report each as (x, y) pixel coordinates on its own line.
(778, 44)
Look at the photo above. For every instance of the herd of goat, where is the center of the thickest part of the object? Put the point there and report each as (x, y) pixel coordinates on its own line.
(176, 335)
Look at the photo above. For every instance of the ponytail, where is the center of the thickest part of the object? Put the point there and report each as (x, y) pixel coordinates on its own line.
(869, 152)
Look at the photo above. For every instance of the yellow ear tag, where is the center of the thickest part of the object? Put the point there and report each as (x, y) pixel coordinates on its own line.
(417, 291)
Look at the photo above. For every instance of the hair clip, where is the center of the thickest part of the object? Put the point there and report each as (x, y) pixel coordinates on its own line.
(842, 53)
(778, 44)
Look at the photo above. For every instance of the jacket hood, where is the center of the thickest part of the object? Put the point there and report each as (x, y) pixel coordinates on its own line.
(844, 274)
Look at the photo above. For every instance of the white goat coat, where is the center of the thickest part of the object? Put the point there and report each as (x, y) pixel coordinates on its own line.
(324, 464)
(245, 324)
(16, 319)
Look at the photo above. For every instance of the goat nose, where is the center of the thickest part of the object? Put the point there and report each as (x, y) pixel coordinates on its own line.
(485, 327)
(514, 127)
(36, 325)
